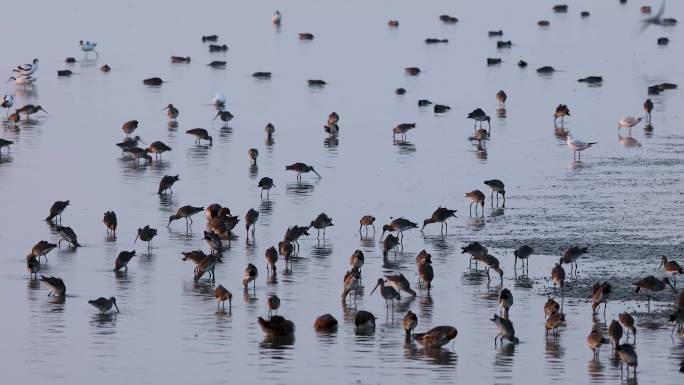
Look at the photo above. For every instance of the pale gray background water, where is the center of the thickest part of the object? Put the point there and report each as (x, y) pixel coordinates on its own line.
(622, 201)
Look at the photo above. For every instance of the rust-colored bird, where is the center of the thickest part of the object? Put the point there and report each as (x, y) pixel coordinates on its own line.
(110, 222)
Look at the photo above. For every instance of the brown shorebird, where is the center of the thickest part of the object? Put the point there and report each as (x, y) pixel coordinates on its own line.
(158, 148)
(390, 243)
(171, 111)
(615, 332)
(271, 256)
(554, 321)
(422, 256)
(41, 249)
(286, 249)
(56, 285)
(436, 337)
(277, 326)
(293, 234)
(558, 277)
(29, 110)
(628, 357)
(599, 295)
(251, 218)
(109, 220)
(497, 187)
(214, 241)
(301, 168)
(322, 221)
(122, 260)
(269, 129)
(32, 266)
(195, 256)
(325, 322)
(225, 116)
(166, 183)
(400, 283)
(648, 107)
(551, 307)
(273, 304)
(425, 273)
(138, 153)
(399, 225)
(571, 255)
(14, 118)
(357, 260)
(409, 322)
(67, 234)
(401, 129)
(222, 295)
(653, 284)
(561, 112)
(250, 275)
(672, 268)
(476, 197)
(56, 210)
(491, 263)
(253, 154)
(351, 282)
(207, 265)
(185, 212)
(200, 134)
(129, 127)
(146, 234)
(129, 142)
(501, 97)
(627, 322)
(266, 183)
(440, 215)
(504, 328)
(478, 115)
(523, 252)
(367, 220)
(506, 301)
(103, 304)
(476, 250)
(333, 118)
(364, 322)
(595, 339)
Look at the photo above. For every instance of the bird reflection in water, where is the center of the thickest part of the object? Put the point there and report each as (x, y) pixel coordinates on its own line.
(475, 223)
(554, 350)
(628, 141)
(522, 281)
(480, 152)
(434, 356)
(473, 277)
(501, 113)
(300, 189)
(253, 170)
(576, 165)
(322, 249)
(560, 132)
(425, 308)
(104, 322)
(172, 125)
(167, 201)
(266, 206)
(504, 356)
(648, 130)
(595, 370)
(404, 146)
(277, 343)
(496, 212)
(331, 142)
(269, 142)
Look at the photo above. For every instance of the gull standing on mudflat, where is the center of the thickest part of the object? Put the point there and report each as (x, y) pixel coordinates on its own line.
(577, 146)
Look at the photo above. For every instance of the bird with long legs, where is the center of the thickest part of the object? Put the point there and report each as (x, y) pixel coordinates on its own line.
(499, 188)
(367, 220)
(440, 215)
(652, 284)
(477, 198)
(504, 329)
(672, 268)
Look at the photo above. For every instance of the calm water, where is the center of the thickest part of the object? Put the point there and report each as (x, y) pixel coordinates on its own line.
(623, 199)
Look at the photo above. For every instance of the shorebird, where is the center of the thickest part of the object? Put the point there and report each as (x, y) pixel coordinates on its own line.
(506, 301)
(448, 19)
(138, 153)
(269, 129)
(558, 277)
(225, 116)
(185, 212)
(250, 220)
(497, 187)
(648, 107)
(399, 225)
(554, 321)
(250, 275)
(367, 220)
(217, 63)
(678, 319)
(440, 215)
(322, 221)
(599, 295)
(146, 234)
(56, 285)
(400, 283)
(364, 322)
(292, 234)
(207, 264)
(523, 252)
(122, 260)
(253, 154)
(271, 256)
(672, 268)
(504, 328)
(180, 59)
(200, 134)
(476, 197)
(273, 304)
(478, 115)
(628, 357)
(351, 282)
(129, 143)
(301, 168)
(103, 304)
(551, 307)
(7, 103)
(67, 234)
(491, 262)
(267, 184)
(195, 256)
(105, 68)
(594, 340)
(577, 146)
(306, 36)
(501, 97)
(88, 46)
(14, 118)
(276, 18)
(214, 241)
(390, 243)
(402, 129)
(286, 249)
(332, 129)
(153, 81)
(627, 322)
(26, 70)
(277, 326)
(422, 256)
(476, 250)
(222, 295)
(653, 284)
(33, 266)
(409, 322)
(561, 112)
(56, 210)
(425, 273)
(41, 249)
(628, 122)
(158, 148)
(209, 38)
(109, 220)
(333, 118)
(571, 255)
(357, 260)
(325, 322)
(129, 127)
(436, 337)
(218, 48)
(413, 71)
(615, 332)
(166, 183)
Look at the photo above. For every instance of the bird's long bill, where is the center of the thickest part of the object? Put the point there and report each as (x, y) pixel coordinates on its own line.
(136, 238)
(165, 108)
(117, 308)
(673, 288)
(661, 265)
(316, 172)
(376, 286)
(43, 109)
(217, 115)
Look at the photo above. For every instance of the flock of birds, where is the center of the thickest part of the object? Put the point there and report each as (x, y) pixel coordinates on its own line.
(220, 223)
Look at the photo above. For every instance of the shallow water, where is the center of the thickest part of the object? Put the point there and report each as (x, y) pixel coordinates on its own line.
(623, 199)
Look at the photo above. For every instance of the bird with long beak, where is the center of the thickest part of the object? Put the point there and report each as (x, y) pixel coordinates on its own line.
(301, 168)
(436, 337)
(104, 304)
(185, 212)
(387, 292)
(400, 283)
(440, 215)
(409, 322)
(146, 234)
(504, 328)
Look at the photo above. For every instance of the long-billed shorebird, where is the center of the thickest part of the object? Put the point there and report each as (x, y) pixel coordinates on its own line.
(551, 307)
(628, 325)
(491, 263)
(672, 268)
(497, 187)
(273, 304)
(390, 243)
(399, 225)
(251, 218)
(56, 285)
(30, 109)
(41, 249)
(400, 283)
(325, 323)
(558, 278)
(321, 222)
(185, 212)
(214, 241)
(571, 255)
(504, 329)
(478, 115)
(505, 301)
(267, 184)
(357, 260)
(104, 304)
(253, 154)
(222, 295)
(561, 112)
(436, 337)
(110, 222)
(207, 265)
(146, 234)
(129, 127)
(476, 250)
(301, 168)
(615, 332)
(200, 134)
(292, 234)
(225, 116)
(67, 234)
(577, 146)
(648, 107)
(440, 215)
(652, 284)
(599, 295)
(351, 282)
(166, 183)
(158, 148)
(628, 357)
(122, 260)
(401, 129)
(367, 220)
(56, 210)
(171, 111)
(595, 339)
(677, 318)
(426, 273)
(523, 252)
(554, 321)
(409, 322)
(250, 275)
(476, 197)
(271, 256)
